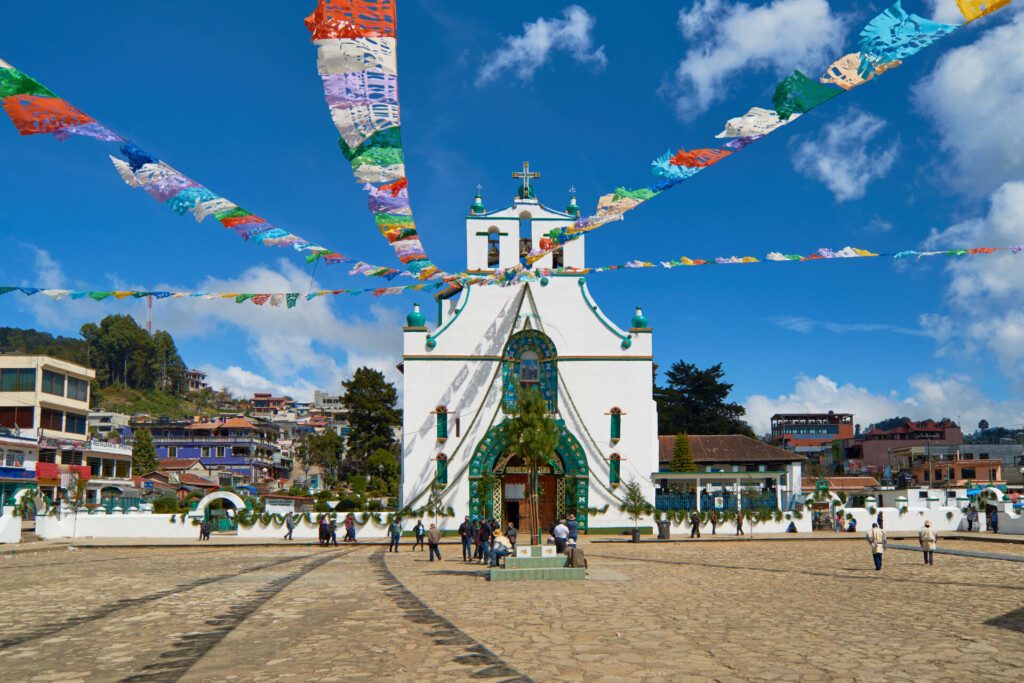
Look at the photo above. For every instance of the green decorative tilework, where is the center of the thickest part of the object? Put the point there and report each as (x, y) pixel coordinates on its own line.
(518, 344)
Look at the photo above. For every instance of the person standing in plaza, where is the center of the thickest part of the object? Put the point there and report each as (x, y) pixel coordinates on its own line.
(561, 534)
(332, 532)
(434, 541)
(574, 529)
(694, 524)
(466, 534)
(880, 520)
(713, 518)
(972, 519)
(325, 533)
(420, 532)
(395, 532)
(928, 538)
(876, 539)
(484, 539)
(289, 522)
(993, 522)
(512, 534)
(739, 523)
(350, 528)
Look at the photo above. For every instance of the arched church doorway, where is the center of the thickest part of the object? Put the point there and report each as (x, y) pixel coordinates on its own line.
(499, 483)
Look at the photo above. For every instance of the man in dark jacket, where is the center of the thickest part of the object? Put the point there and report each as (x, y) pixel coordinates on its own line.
(466, 534)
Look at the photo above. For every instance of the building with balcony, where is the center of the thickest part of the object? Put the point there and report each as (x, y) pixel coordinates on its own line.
(872, 451)
(733, 471)
(44, 397)
(18, 458)
(196, 380)
(812, 434)
(267, 405)
(110, 472)
(959, 466)
(235, 447)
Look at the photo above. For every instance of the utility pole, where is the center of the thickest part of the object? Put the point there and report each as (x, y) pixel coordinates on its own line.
(149, 315)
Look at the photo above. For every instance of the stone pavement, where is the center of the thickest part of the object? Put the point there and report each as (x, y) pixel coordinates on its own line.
(708, 611)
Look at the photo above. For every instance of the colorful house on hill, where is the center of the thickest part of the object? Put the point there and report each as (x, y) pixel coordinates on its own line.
(235, 446)
(872, 451)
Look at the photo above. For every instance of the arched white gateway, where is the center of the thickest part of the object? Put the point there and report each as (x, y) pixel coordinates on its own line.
(233, 498)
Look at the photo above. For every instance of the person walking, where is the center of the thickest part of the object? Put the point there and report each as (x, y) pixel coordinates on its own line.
(332, 530)
(880, 520)
(927, 537)
(694, 524)
(350, 528)
(972, 519)
(739, 523)
(434, 541)
(876, 539)
(713, 518)
(466, 534)
(512, 534)
(484, 536)
(993, 523)
(289, 522)
(325, 533)
(420, 532)
(395, 532)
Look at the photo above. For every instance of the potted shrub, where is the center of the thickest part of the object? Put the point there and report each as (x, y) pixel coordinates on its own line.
(635, 506)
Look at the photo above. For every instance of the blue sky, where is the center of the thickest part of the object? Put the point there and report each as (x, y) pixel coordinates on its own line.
(228, 93)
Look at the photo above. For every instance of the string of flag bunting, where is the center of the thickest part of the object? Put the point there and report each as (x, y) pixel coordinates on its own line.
(290, 299)
(885, 42)
(357, 58)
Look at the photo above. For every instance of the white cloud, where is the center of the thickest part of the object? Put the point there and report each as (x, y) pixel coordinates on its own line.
(946, 11)
(285, 350)
(840, 156)
(795, 323)
(985, 291)
(974, 97)
(927, 397)
(526, 53)
(728, 39)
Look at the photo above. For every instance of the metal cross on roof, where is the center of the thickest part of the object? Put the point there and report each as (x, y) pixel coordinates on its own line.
(526, 175)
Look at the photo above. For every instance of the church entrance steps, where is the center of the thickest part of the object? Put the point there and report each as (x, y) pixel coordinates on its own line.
(539, 574)
(534, 562)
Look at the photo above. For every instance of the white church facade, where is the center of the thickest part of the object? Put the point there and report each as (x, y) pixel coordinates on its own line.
(462, 376)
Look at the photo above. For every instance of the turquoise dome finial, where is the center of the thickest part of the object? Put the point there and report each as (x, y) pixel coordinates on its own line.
(639, 319)
(573, 210)
(478, 208)
(415, 319)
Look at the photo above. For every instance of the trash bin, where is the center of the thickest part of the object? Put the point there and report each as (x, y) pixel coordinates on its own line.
(663, 527)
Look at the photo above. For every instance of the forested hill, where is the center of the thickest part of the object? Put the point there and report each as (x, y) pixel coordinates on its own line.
(120, 351)
(16, 340)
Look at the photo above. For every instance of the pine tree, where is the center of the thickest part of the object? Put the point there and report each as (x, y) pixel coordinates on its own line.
(682, 459)
(143, 453)
(373, 413)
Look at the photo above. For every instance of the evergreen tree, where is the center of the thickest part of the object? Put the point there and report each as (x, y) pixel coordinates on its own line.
(695, 401)
(682, 459)
(373, 413)
(533, 435)
(143, 453)
(326, 451)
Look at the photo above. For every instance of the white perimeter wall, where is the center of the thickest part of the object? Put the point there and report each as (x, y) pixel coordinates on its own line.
(115, 526)
(10, 526)
(913, 520)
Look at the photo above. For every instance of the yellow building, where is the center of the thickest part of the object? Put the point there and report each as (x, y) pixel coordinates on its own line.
(44, 398)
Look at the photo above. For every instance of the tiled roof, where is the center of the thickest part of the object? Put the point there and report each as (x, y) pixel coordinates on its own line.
(178, 463)
(841, 483)
(727, 448)
(189, 479)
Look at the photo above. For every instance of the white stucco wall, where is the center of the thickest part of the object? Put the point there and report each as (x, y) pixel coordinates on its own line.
(1011, 522)
(115, 526)
(729, 528)
(463, 373)
(307, 531)
(913, 520)
(10, 526)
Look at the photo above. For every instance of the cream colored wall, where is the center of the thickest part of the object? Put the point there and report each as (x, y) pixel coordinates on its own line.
(38, 399)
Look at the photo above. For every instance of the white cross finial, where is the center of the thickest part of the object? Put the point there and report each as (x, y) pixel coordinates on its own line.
(479, 188)
(526, 175)
(572, 190)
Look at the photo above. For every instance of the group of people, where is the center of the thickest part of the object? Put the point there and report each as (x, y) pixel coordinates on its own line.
(204, 530)
(484, 541)
(714, 519)
(992, 518)
(328, 530)
(926, 537)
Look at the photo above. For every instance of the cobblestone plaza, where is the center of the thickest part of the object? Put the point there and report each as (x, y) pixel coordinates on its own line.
(787, 610)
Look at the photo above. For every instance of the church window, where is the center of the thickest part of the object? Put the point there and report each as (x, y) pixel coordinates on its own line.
(557, 258)
(442, 470)
(529, 369)
(442, 423)
(615, 469)
(616, 424)
(493, 247)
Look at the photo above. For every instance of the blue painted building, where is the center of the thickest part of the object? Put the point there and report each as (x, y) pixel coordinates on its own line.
(239, 445)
